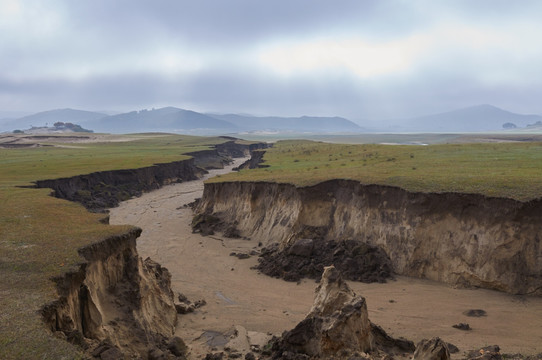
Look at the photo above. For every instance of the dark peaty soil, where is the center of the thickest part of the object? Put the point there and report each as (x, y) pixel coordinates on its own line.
(306, 258)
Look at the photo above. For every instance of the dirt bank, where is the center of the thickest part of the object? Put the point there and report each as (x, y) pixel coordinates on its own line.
(459, 239)
(115, 299)
(115, 303)
(104, 189)
(202, 268)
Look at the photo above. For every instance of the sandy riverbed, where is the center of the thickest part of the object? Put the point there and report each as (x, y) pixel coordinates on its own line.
(202, 268)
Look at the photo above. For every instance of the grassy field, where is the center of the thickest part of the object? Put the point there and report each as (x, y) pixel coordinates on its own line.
(40, 235)
(505, 169)
(22, 166)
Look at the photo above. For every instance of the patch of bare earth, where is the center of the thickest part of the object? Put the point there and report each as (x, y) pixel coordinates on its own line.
(203, 268)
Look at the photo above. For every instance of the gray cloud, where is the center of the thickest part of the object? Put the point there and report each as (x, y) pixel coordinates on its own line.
(244, 56)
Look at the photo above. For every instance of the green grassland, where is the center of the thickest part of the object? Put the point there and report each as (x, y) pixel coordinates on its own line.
(505, 169)
(40, 234)
(22, 166)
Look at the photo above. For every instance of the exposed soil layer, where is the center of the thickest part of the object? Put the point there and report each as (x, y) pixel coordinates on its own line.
(236, 296)
(460, 239)
(255, 161)
(356, 260)
(114, 301)
(105, 189)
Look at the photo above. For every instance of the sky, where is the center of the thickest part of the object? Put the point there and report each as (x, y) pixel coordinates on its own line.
(360, 59)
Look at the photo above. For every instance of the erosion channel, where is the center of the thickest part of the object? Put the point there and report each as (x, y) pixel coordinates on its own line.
(244, 306)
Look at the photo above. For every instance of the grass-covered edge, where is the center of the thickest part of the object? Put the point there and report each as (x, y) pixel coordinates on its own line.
(504, 169)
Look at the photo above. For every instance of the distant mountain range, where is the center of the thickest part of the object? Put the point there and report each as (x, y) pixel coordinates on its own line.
(50, 117)
(481, 118)
(294, 124)
(471, 119)
(171, 119)
(168, 119)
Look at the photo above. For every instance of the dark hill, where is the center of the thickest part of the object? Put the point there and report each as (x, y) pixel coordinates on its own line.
(311, 124)
(168, 119)
(471, 119)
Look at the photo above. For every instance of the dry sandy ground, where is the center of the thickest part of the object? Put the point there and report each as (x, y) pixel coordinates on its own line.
(202, 268)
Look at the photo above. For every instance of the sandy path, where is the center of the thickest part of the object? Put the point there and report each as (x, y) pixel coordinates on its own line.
(236, 295)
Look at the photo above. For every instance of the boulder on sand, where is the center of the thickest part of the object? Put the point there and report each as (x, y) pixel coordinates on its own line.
(337, 325)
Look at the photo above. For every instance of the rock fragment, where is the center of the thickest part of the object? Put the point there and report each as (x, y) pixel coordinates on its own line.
(462, 326)
(434, 349)
(475, 313)
(487, 353)
(337, 326)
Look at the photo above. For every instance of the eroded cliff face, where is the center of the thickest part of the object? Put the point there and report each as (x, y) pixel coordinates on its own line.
(105, 189)
(460, 239)
(114, 298)
(116, 303)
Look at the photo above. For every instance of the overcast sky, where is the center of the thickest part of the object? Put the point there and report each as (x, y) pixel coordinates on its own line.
(358, 59)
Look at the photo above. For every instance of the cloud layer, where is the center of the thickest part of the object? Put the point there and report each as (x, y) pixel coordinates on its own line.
(358, 59)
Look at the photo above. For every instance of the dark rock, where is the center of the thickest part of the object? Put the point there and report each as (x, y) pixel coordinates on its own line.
(302, 247)
(487, 353)
(232, 232)
(452, 348)
(355, 260)
(200, 303)
(462, 326)
(205, 224)
(304, 333)
(184, 308)
(182, 298)
(386, 342)
(242, 256)
(434, 349)
(177, 346)
(250, 356)
(475, 313)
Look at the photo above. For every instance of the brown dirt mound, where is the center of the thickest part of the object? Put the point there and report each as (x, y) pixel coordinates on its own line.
(356, 260)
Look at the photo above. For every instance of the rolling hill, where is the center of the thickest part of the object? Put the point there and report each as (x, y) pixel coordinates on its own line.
(168, 119)
(50, 117)
(472, 119)
(311, 124)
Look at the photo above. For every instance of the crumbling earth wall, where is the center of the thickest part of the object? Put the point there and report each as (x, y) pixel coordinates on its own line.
(460, 239)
